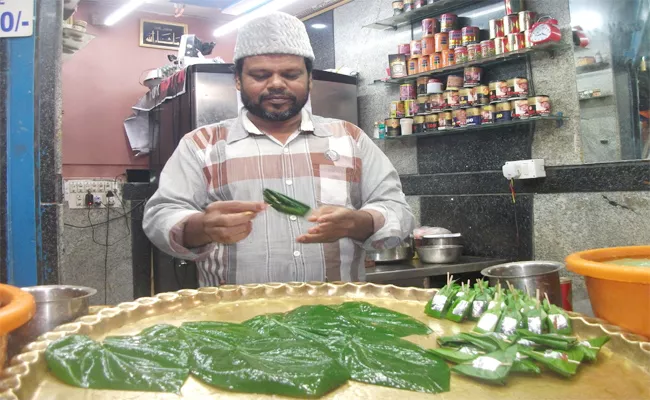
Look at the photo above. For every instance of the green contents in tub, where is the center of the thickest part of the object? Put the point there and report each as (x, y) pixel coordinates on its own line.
(631, 262)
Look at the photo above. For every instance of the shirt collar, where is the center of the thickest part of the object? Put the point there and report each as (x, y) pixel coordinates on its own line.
(245, 127)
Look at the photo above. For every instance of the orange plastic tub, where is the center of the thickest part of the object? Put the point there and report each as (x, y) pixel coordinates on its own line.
(16, 308)
(618, 294)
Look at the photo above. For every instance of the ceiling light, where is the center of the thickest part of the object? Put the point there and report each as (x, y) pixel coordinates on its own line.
(265, 9)
(122, 12)
(243, 6)
(319, 26)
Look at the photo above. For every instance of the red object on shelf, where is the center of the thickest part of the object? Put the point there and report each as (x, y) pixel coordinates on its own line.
(567, 298)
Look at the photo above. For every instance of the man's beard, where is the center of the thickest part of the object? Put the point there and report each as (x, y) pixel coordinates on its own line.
(257, 109)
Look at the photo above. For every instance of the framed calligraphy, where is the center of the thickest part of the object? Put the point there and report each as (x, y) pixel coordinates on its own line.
(161, 34)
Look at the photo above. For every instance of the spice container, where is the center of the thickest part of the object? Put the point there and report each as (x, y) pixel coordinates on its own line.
(526, 20)
(435, 60)
(404, 48)
(518, 88)
(454, 82)
(445, 121)
(447, 22)
(410, 108)
(429, 27)
(428, 46)
(482, 95)
(473, 116)
(455, 39)
(511, 24)
(437, 102)
(473, 52)
(527, 42)
(487, 114)
(407, 126)
(418, 124)
(421, 85)
(398, 7)
(503, 112)
(472, 96)
(419, 3)
(501, 91)
(496, 28)
(408, 5)
(397, 64)
(393, 128)
(539, 106)
(460, 54)
(441, 41)
(487, 48)
(416, 48)
(407, 91)
(423, 104)
(424, 64)
(514, 6)
(470, 35)
(452, 99)
(413, 66)
(463, 95)
(500, 45)
(520, 109)
(460, 118)
(431, 123)
(397, 109)
(516, 41)
(434, 86)
(473, 76)
(448, 58)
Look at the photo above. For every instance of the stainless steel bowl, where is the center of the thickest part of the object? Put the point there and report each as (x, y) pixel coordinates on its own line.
(529, 276)
(450, 239)
(55, 305)
(439, 254)
(403, 252)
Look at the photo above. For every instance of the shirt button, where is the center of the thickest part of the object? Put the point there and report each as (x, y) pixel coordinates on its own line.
(286, 149)
(289, 182)
(293, 218)
(296, 253)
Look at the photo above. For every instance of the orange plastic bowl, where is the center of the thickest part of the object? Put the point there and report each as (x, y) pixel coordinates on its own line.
(619, 294)
(16, 308)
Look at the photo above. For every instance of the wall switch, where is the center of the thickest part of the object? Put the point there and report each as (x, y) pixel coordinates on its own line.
(524, 169)
(76, 190)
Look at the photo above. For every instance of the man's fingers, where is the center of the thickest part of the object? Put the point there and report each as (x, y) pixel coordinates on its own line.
(228, 220)
(228, 235)
(321, 228)
(317, 238)
(234, 207)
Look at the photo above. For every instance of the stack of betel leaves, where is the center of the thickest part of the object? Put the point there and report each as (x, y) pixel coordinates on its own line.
(306, 352)
(514, 333)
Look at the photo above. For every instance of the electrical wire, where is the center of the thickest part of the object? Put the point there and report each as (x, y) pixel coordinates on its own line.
(108, 216)
(110, 220)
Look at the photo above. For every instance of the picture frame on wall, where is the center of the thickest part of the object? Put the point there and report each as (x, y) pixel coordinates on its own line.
(161, 34)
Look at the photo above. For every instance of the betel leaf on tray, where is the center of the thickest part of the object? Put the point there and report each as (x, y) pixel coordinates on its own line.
(154, 361)
(322, 320)
(226, 333)
(382, 320)
(295, 368)
(394, 363)
(492, 368)
(590, 348)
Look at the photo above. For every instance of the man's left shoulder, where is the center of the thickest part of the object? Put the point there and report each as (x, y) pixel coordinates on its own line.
(338, 127)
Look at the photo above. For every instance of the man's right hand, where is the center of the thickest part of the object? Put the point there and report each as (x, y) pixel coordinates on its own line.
(225, 222)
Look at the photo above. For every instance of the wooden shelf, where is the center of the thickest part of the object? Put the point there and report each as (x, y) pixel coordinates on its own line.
(437, 8)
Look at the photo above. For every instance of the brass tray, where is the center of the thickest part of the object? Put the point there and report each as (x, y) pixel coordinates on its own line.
(622, 370)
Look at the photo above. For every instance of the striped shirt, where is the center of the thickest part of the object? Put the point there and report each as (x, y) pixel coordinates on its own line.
(326, 162)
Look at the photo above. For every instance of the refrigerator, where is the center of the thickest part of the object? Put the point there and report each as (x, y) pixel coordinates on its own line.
(209, 96)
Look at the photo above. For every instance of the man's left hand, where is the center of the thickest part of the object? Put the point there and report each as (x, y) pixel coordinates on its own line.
(336, 223)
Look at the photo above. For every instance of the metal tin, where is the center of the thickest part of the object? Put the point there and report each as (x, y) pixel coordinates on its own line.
(474, 52)
(460, 54)
(413, 66)
(398, 7)
(501, 91)
(520, 109)
(470, 35)
(416, 48)
(527, 42)
(487, 48)
(496, 28)
(419, 3)
(397, 109)
(500, 45)
(503, 112)
(408, 5)
(455, 39)
(487, 114)
(516, 41)
(411, 108)
(452, 99)
(518, 88)
(435, 60)
(473, 116)
(454, 82)
(566, 286)
(514, 6)
(431, 123)
(463, 97)
(398, 65)
(511, 24)
(393, 127)
(429, 27)
(448, 58)
(447, 22)
(418, 124)
(445, 121)
(424, 63)
(428, 46)
(473, 76)
(482, 95)
(472, 96)
(407, 91)
(441, 41)
(434, 86)
(404, 48)
(539, 106)
(437, 102)
(526, 20)
(423, 104)
(421, 85)
(460, 118)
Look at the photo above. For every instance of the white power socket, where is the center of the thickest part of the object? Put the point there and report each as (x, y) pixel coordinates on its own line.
(524, 169)
(76, 190)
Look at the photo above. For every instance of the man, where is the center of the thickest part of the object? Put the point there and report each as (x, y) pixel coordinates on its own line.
(209, 208)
